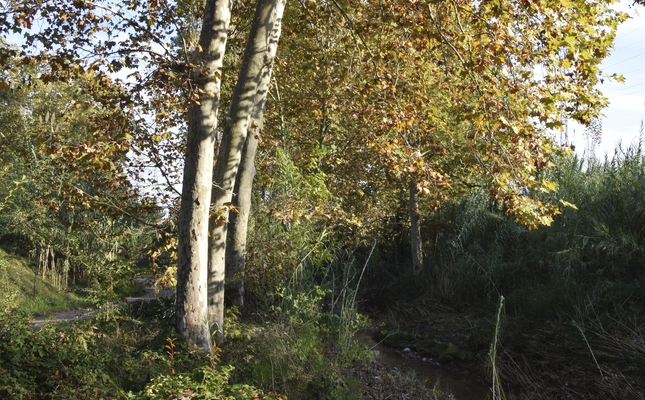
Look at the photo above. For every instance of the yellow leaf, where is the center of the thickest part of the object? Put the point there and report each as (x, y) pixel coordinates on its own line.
(550, 186)
(567, 204)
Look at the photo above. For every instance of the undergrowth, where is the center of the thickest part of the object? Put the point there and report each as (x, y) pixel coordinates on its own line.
(17, 289)
(574, 290)
(132, 354)
(296, 347)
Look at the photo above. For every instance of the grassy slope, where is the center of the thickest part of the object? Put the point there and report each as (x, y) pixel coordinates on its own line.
(17, 288)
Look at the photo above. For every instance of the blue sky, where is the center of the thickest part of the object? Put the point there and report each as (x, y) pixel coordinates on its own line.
(627, 100)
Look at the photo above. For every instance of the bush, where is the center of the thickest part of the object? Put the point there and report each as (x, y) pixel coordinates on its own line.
(53, 363)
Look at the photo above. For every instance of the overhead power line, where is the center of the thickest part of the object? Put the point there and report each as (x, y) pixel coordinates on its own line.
(631, 93)
(629, 45)
(626, 88)
(631, 58)
(630, 32)
(634, 70)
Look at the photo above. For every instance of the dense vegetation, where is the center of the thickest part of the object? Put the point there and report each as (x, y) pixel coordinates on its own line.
(573, 319)
(407, 186)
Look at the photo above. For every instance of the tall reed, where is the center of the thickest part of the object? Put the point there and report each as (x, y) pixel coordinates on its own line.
(497, 392)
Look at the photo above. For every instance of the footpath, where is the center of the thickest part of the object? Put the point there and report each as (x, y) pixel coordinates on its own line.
(150, 293)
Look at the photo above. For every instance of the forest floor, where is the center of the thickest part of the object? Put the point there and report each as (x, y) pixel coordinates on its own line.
(403, 366)
(545, 358)
(382, 381)
(61, 316)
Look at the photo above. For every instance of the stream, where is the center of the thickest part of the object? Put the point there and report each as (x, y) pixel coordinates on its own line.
(461, 387)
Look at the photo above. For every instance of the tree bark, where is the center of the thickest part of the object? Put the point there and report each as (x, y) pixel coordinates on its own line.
(236, 247)
(35, 281)
(238, 222)
(256, 62)
(192, 269)
(415, 230)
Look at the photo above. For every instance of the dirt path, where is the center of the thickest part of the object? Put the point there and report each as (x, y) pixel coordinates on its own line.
(70, 315)
(87, 313)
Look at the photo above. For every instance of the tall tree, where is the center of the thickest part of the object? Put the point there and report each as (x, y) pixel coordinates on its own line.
(192, 270)
(416, 242)
(243, 193)
(451, 94)
(157, 53)
(257, 63)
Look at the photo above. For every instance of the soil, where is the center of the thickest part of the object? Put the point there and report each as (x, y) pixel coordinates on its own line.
(536, 359)
(381, 381)
(69, 315)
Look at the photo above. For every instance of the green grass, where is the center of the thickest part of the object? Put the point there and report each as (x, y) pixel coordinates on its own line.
(17, 289)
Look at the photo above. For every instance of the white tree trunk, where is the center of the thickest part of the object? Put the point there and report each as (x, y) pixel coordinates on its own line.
(192, 270)
(236, 247)
(238, 222)
(257, 61)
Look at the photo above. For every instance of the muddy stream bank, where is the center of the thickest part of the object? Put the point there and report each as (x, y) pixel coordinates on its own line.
(461, 387)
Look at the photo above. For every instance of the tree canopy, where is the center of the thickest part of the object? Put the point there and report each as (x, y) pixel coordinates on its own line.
(370, 100)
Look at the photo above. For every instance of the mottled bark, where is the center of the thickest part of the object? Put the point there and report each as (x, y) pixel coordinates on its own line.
(415, 230)
(256, 62)
(238, 222)
(192, 270)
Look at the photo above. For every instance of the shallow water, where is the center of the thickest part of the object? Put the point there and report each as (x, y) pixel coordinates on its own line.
(461, 387)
